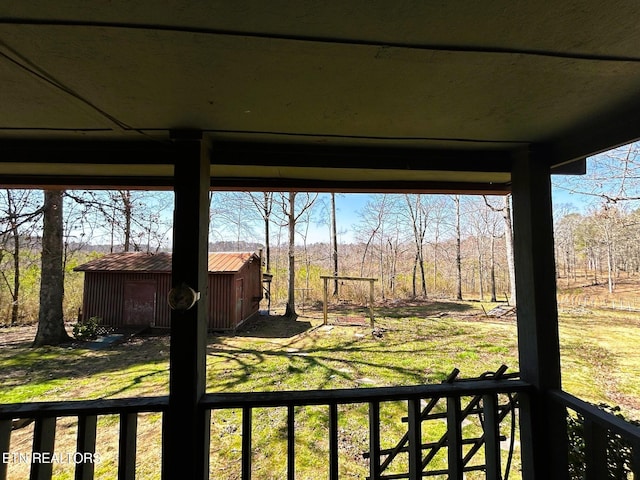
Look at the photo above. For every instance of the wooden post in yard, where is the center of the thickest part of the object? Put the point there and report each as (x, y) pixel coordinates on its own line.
(325, 299)
(185, 447)
(371, 302)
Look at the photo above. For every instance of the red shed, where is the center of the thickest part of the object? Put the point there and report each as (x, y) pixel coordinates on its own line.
(131, 289)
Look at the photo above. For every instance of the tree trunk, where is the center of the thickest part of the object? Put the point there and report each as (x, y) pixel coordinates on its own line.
(334, 241)
(414, 277)
(423, 276)
(456, 199)
(493, 268)
(480, 268)
(267, 221)
(125, 195)
(15, 310)
(51, 329)
(508, 236)
(291, 299)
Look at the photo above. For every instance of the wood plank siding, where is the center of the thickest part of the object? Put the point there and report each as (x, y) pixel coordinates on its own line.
(110, 280)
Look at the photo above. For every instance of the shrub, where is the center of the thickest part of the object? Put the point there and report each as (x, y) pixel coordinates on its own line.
(619, 453)
(86, 329)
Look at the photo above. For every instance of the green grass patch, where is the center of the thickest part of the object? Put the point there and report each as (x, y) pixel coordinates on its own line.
(416, 345)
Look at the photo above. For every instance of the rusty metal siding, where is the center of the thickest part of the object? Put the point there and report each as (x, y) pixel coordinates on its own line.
(221, 302)
(104, 296)
(250, 272)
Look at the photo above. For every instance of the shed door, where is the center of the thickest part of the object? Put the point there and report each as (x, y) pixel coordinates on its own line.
(239, 300)
(139, 302)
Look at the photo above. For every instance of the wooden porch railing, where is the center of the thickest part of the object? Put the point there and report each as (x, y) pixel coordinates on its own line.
(45, 416)
(374, 397)
(599, 428)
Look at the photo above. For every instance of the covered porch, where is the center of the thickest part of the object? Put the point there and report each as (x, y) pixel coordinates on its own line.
(378, 97)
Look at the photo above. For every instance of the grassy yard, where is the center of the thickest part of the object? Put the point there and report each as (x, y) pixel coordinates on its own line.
(418, 343)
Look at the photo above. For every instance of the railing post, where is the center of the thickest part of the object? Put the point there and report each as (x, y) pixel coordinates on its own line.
(491, 436)
(247, 426)
(5, 441)
(454, 438)
(86, 443)
(595, 454)
(333, 441)
(127, 446)
(374, 440)
(291, 443)
(635, 459)
(44, 436)
(415, 439)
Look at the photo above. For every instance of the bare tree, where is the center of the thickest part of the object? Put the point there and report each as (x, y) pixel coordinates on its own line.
(232, 214)
(456, 200)
(51, 329)
(131, 220)
(19, 210)
(379, 230)
(438, 216)
(334, 243)
(508, 238)
(264, 204)
(419, 216)
(292, 214)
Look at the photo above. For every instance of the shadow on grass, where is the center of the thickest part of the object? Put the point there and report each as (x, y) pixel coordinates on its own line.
(49, 370)
(273, 326)
(315, 361)
(421, 308)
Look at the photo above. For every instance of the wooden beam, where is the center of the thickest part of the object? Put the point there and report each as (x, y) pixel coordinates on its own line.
(419, 159)
(186, 429)
(280, 184)
(145, 152)
(598, 134)
(543, 424)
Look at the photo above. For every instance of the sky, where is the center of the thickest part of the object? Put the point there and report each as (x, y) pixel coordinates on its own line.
(350, 205)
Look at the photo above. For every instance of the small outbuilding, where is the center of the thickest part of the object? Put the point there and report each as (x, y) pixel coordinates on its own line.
(130, 289)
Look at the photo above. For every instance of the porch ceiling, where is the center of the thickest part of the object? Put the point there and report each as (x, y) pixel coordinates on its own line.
(353, 96)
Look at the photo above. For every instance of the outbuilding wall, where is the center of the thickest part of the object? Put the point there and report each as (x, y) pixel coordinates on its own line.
(104, 296)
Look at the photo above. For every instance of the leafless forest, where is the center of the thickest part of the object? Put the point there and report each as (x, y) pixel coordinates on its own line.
(416, 246)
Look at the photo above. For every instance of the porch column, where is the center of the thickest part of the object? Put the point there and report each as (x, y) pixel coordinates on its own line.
(185, 426)
(542, 423)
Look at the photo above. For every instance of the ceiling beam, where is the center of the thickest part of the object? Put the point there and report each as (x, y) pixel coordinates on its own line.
(597, 135)
(322, 156)
(101, 152)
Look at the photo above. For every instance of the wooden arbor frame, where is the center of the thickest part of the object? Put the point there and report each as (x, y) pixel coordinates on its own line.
(325, 294)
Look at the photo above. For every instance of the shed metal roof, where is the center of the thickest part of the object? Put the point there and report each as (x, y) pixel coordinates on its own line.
(219, 262)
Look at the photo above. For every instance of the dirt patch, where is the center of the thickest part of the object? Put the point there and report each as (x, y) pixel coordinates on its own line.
(19, 336)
